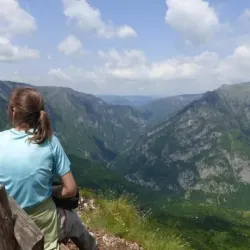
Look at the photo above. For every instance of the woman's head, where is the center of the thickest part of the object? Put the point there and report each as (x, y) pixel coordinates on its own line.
(26, 111)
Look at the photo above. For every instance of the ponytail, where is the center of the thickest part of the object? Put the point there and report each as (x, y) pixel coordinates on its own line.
(43, 129)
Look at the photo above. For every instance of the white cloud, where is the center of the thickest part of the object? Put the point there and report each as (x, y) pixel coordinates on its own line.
(196, 20)
(89, 18)
(123, 59)
(235, 67)
(70, 45)
(133, 64)
(130, 72)
(14, 20)
(126, 31)
(58, 73)
(9, 52)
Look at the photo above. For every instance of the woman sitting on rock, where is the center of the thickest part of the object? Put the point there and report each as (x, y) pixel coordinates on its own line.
(30, 158)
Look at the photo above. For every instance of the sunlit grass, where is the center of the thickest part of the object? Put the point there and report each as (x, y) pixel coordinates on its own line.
(120, 217)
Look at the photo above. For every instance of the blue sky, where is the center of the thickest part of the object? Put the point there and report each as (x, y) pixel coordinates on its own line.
(163, 47)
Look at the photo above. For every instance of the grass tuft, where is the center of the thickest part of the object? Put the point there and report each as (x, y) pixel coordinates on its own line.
(120, 217)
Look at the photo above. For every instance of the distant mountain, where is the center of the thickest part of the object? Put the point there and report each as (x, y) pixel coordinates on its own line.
(5, 90)
(154, 109)
(159, 110)
(133, 101)
(202, 152)
(87, 126)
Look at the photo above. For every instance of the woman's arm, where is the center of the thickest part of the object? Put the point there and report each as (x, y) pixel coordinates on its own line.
(68, 188)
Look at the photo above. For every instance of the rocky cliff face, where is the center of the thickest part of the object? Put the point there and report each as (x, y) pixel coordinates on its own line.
(87, 126)
(202, 152)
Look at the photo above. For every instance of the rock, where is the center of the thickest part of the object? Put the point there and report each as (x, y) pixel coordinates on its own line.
(110, 242)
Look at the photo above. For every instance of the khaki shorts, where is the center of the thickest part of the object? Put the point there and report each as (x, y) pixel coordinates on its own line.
(58, 225)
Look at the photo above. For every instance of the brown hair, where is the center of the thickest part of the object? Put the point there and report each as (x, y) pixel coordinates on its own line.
(27, 105)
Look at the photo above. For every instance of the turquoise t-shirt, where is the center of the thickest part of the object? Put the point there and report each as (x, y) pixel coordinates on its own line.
(27, 169)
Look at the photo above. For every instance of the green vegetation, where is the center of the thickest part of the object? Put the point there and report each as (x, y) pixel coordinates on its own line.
(96, 176)
(170, 225)
(91, 129)
(201, 225)
(236, 141)
(207, 226)
(120, 217)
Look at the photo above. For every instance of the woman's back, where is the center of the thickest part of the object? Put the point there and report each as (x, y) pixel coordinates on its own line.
(27, 169)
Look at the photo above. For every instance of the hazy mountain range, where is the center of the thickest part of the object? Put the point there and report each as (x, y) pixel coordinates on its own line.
(159, 110)
(202, 152)
(134, 101)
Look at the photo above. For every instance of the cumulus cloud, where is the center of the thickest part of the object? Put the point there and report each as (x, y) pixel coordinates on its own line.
(59, 74)
(126, 31)
(196, 20)
(14, 20)
(133, 64)
(10, 52)
(130, 72)
(126, 58)
(90, 19)
(70, 45)
(235, 67)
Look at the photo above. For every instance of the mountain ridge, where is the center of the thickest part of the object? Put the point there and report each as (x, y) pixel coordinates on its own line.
(135, 101)
(159, 110)
(200, 152)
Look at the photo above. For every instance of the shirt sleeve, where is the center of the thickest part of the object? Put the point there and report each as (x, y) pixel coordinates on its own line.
(61, 161)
